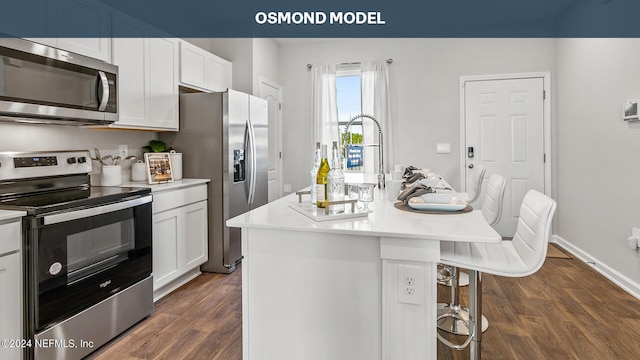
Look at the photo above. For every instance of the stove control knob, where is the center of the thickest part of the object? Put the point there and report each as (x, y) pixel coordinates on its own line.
(71, 160)
(82, 159)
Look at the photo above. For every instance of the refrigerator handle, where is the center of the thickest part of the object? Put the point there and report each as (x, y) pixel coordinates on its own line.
(252, 149)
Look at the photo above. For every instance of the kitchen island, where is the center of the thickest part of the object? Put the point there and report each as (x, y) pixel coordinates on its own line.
(361, 288)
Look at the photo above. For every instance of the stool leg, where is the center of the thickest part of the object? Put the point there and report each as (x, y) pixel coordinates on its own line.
(452, 325)
(475, 312)
(455, 298)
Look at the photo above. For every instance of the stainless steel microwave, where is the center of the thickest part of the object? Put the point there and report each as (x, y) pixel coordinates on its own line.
(41, 84)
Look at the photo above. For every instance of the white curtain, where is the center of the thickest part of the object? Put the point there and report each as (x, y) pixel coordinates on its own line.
(375, 102)
(325, 109)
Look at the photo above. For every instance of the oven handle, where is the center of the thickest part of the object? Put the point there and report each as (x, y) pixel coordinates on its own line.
(98, 210)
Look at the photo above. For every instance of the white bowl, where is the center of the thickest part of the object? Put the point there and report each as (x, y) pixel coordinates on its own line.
(434, 198)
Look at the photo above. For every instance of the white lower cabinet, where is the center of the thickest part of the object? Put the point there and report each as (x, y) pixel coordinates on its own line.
(179, 237)
(10, 290)
(166, 234)
(196, 231)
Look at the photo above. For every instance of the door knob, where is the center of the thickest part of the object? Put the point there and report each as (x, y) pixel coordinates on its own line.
(470, 166)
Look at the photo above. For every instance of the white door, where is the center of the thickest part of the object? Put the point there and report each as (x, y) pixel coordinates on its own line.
(504, 131)
(273, 94)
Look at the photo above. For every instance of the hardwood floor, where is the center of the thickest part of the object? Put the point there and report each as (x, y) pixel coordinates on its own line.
(564, 311)
(200, 320)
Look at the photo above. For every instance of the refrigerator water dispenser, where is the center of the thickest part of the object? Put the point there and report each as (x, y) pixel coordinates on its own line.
(238, 166)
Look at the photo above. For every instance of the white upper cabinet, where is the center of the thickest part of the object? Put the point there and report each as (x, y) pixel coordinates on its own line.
(147, 76)
(150, 68)
(77, 16)
(202, 70)
(162, 82)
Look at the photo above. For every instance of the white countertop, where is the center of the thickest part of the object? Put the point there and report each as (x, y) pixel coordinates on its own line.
(166, 186)
(11, 214)
(384, 221)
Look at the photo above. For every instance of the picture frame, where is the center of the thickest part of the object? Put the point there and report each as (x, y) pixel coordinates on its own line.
(158, 168)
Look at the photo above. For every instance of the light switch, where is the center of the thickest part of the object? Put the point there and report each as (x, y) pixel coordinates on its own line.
(443, 148)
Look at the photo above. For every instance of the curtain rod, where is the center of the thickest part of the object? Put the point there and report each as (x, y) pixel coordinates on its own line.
(309, 66)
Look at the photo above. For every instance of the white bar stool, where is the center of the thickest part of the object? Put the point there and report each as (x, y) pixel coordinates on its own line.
(522, 256)
(474, 188)
(459, 315)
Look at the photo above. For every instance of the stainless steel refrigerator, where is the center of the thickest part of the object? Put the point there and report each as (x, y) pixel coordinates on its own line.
(224, 137)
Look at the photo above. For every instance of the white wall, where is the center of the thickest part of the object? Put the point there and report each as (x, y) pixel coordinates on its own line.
(598, 154)
(424, 78)
(251, 58)
(266, 62)
(240, 53)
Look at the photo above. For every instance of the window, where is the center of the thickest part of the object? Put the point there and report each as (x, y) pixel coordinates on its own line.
(340, 93)
(349, 103)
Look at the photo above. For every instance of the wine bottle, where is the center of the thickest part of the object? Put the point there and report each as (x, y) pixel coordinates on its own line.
(314, 173)
(321, 179)
(335, 181)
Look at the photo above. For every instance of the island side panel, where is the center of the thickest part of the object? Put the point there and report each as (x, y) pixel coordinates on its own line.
(311, 296)
(409, 291)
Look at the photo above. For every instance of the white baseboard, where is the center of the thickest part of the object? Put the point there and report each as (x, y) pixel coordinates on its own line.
(619, 279)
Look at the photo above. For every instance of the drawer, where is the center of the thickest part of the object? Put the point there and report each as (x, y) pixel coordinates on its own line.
(172, 199)
(10, 237)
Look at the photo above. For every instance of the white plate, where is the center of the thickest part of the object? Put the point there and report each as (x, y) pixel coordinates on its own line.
(437, 207)
(418, 203)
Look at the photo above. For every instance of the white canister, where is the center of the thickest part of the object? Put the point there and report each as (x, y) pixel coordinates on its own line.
(176, 164)
(111, 175)
(139, 171)
(393, 189)
(396, 174)
(400, 167)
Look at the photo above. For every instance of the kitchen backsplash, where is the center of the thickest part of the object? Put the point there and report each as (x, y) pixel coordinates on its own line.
(18, 137)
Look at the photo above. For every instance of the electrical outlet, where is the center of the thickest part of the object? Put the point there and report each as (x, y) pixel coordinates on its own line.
(633, 241)
(123, 151)
(409, 280)
(410, 284)
(410, 290)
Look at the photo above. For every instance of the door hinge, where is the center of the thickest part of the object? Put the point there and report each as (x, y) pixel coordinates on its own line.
(279, 106)
(280, 154)
(544, 94)
(544, 158)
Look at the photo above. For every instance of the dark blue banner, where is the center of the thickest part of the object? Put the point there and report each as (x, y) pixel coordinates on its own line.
(324, 18)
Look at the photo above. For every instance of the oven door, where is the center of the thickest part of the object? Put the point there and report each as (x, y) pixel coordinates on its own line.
(85, 256)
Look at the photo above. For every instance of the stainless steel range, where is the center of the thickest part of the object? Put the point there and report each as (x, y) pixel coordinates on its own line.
(87, 252)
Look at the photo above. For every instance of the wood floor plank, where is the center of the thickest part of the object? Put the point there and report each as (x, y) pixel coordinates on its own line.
(565, 311)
